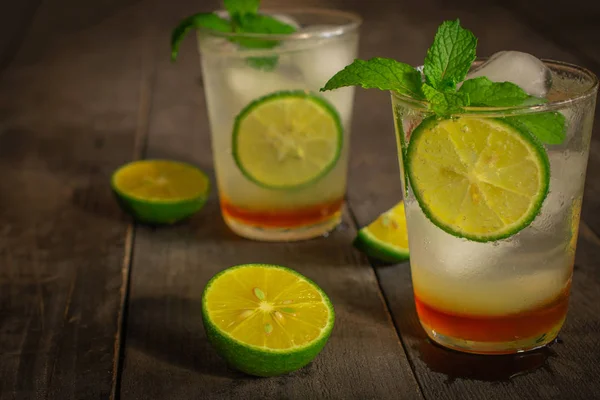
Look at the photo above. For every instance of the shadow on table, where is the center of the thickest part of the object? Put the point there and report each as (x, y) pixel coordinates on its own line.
(499, 368)
(170, 329)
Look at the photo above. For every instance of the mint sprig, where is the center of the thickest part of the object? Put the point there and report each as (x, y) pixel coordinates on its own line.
(379, 73)
(445, 103)
(205, 20)
(450, 56)
(446, 65)
(241, 7)
(483, 92)
(549, 127)
(243, 18)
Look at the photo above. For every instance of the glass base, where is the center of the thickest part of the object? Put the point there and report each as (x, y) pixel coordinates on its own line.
(283, 234)
(494, 348)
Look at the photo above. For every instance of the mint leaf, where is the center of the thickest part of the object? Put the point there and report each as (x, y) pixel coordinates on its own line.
(256, 23)
(450, 56)
(483, 92)
(548, 127)
(200, 20)
(445, 103)
(379, 73)
(264, 63)
(241, 7)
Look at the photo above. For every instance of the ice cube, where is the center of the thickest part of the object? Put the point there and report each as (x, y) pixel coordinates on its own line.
(458, 257)
(567, 169)
(319, 59)
(517, 67)
(246, 83)
(322, 58)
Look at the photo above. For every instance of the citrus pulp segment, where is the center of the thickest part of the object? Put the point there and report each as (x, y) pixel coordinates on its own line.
(266, 320)
(287, 140)
(386, 238)
(160, 191)
(480, 179)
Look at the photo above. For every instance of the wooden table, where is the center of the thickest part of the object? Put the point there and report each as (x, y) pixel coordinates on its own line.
(95, 307)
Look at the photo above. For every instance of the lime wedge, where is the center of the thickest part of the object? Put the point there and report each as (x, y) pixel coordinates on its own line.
(287, 140)
(266, 320)
(475, 178)
(386, 238)
(160, 191)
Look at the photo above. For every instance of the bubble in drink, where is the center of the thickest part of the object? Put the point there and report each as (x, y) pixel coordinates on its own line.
(517, 67)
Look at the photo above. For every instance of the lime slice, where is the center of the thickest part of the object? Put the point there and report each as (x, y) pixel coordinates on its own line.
(401, 148)
(160, 191)
(266, 320)
(386, 238)
(475, 178)
(287, 140)
(574, 231)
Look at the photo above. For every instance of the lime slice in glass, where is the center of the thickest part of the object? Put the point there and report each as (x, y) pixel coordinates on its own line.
(476, 178)
(287, 140)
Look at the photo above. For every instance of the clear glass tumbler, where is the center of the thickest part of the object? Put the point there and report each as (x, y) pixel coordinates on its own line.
(239, 78)
(508, 295)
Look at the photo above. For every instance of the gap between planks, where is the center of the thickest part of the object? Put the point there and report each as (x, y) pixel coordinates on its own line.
(147, 84)
(386, 305)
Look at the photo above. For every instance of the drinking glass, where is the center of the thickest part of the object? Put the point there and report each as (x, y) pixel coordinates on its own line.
(507, 295)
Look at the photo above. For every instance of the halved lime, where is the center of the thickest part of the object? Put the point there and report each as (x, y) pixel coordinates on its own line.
(266, 320)
(287, 140)
(386, 238)
(477, 178)
(160, 191)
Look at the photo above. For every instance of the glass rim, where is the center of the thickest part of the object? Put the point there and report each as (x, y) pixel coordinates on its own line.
(589, 90)
(354, 21)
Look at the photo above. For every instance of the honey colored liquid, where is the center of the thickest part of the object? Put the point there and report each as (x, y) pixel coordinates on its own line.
(537, 322)
(285, 218)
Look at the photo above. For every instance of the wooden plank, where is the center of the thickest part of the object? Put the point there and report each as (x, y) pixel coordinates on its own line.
(15, 18)
(565, 370)
(69, 109)
(167, 355)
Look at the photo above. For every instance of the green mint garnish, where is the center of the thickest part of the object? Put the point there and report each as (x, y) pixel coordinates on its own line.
(483, 92)
(256, 23)
(243, 18)
(241, 7)
(206, 20)
(379, 73)
(450, 57)
(548, 127)
(445, 103)
(447, 63)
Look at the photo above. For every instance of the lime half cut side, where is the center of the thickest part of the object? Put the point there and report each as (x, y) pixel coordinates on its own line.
(475, 178)
(160, 191)
(266, 320)
(287, 140)
(386, 238)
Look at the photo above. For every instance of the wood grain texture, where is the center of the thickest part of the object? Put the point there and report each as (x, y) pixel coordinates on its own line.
(167, 355)
(555, 373)
(68, 117)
